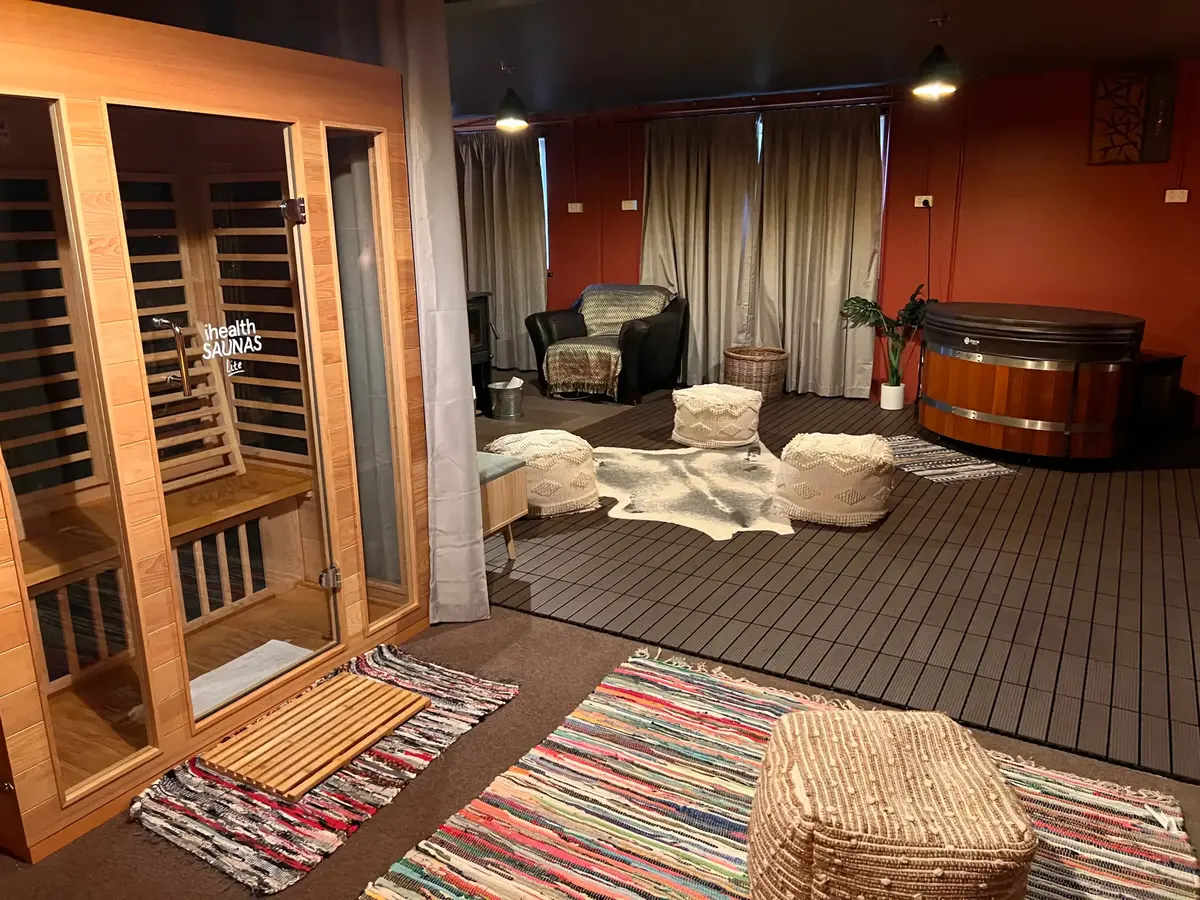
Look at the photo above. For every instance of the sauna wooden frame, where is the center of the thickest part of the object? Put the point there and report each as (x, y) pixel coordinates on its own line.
(82, 62)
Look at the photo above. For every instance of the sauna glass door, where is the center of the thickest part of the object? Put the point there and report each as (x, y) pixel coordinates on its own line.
(368, 327)
(85, 715)
(225, 340)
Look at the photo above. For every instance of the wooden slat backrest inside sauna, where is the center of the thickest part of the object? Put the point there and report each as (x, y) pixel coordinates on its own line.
(82, 624)
(256, 276)
(222, 572)
(44, 401)
(195, 436)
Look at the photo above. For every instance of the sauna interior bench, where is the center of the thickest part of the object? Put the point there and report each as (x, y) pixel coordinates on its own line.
(62, 546)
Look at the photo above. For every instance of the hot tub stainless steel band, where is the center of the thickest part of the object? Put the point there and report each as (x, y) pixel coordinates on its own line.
(1013, 422)
(1042, 365)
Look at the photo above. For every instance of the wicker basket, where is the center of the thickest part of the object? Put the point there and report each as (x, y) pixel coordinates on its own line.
(758, 368)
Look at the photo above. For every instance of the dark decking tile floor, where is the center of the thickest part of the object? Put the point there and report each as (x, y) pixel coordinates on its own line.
(1059, 606)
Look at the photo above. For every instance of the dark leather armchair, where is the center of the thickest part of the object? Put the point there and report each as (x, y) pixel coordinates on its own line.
(652, 348)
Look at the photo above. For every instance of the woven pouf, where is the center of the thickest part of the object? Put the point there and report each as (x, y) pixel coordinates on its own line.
(868, 805)
(835, 479)
(561, 474)
(716, 415)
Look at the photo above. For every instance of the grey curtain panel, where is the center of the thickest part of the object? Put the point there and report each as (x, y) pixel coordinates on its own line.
(366, 359)
(822, 211)
(767, 249)
(505, 235)
(413, 40)
(701, 229)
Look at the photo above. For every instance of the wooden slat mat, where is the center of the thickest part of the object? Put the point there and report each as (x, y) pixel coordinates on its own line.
(293, 749)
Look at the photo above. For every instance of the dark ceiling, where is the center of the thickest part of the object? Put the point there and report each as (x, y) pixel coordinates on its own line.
(577, 55)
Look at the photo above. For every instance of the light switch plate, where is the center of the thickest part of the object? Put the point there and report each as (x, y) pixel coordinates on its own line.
(574, 207)
(629, 205)
(1177, 196)
(923, 200)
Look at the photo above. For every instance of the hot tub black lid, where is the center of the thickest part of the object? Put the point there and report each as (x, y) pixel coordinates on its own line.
(1041, 323)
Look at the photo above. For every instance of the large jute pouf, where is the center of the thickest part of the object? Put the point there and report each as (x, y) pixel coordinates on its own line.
(716, 415)
(561, 474)
(835, 479)
(868, 805)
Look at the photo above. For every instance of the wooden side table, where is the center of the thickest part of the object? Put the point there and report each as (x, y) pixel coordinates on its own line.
(502, 492)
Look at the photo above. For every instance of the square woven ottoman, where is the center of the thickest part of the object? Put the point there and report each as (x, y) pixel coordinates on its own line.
(866, 805)
(835, 479)
(560, 471)
(714, 416)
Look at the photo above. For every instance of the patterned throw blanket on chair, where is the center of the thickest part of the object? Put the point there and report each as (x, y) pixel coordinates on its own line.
(592, 364)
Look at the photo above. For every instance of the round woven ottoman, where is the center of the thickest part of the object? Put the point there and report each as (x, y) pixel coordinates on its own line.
(716, 415)
(560, 476)
(870, 805)
(835, 479)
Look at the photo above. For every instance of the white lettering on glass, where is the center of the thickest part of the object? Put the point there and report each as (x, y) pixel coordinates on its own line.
(224, 341)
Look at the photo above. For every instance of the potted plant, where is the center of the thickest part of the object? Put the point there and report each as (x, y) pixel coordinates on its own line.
(896, 335)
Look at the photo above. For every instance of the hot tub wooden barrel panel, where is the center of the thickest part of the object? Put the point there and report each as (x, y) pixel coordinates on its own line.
(1023, 394)
(1039, 380)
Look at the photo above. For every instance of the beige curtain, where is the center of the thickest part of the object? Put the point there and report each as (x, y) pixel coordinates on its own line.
(822, 205)
(504, 225)
(701, 229)
(412, 36)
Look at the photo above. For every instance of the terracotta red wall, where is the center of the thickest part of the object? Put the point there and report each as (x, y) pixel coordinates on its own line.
(597, 163)
(1019, 216)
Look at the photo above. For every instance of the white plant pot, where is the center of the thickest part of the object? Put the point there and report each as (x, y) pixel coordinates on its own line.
(891, 396)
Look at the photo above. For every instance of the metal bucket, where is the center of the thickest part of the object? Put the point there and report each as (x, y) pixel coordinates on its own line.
(506, 401)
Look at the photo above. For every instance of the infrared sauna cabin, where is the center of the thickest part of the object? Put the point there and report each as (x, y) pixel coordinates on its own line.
(211, 429)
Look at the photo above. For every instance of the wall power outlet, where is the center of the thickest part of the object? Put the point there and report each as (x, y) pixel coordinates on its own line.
(1177, 196)
(574, 207)
(923, 200)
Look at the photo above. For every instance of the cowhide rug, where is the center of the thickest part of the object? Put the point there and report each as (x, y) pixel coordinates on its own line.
(719, 492)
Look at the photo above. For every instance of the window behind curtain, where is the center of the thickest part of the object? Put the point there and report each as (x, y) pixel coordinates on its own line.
(545, 195)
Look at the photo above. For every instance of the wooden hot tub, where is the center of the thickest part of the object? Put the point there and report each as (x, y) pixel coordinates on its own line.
(1044, 380)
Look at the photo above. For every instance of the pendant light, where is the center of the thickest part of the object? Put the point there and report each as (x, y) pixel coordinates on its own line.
(511, 114)
(937, 76)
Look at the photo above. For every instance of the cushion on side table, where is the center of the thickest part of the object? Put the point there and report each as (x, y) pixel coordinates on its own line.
(868, 805)
(714, 416)
(493, 465)
(561, 473)
(835, 479)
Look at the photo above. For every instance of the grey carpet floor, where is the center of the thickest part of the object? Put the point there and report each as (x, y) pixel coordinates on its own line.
(556, 665)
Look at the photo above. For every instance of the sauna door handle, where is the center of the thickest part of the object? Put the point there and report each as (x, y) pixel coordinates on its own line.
(181, 351)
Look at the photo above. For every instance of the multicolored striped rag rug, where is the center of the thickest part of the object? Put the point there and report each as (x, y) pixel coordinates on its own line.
(645, 792)
(270, 844)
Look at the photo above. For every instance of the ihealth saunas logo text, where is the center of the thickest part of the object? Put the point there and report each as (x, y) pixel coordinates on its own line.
(231, 340)
(227, 341)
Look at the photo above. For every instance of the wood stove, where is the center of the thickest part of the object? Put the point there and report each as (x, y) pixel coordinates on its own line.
(479, 331)
(479, 327)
